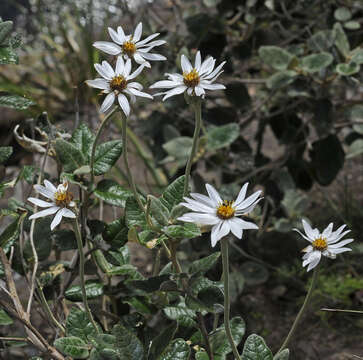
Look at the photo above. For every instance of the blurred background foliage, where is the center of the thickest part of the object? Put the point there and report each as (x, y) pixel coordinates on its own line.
(290, 120)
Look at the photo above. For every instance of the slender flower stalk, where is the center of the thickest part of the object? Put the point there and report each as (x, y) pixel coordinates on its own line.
(126, 161)
(227, 327)
(81, 273)
(197, 106)
(299, 315)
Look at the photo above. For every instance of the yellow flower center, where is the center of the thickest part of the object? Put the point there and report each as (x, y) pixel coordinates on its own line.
(63, 198)
(118, 83)
(320, 244)
(191, 79)
(226, 210)
(129, 48)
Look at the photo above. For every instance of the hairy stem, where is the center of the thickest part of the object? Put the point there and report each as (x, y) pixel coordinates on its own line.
(126, 161)
(81, 273)
(197, 105)
(299, 315)
(227, 327)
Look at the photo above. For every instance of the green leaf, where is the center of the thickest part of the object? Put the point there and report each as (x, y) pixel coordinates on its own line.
(15, 101)
(160, 342)
(219, 137)
(283, 355)
(347, 69)
(151, 284)
(112, 193)
(159, 211)
(5, 319)
(355, 148)
(106, 156)
(281, 79)
(316, 62)
(83, 139)
(205, 264)
(218, 339)
(275, 56)
(5, 31)
(342, 14)
(186, 231)
(11, 233)
(341, 39)
(79, 325)
(69, 155)
(177, 350)
(256, 349)
(64, 239)
(27, 173)
(179, 148)
(327, 157)
(5, 152)
(173, 194)
(322, 40)
(128, 346)
(93, 290)
(357, 56)
(72, 346)
(8, 56)
(115, 233)
(180, 313)
(352, 25)
(134, 216)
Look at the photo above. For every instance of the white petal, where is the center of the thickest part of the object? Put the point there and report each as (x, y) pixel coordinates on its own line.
(108, 47)
(198, 218)
(137, 33)
(336, 239)
(68, 213)
(338, 245)
(103, 72)
(140, 60)
(40, 203)
(185, 64)
(308, 249)
(121, 33)
(207, 66)
(312, 260)
(236, 228)
(312, 234)
(246, 225)
(327, 231)
(336, 233)
(127, 68)
(197, 206)
(107, 103)
(249, 208)
(213, 86)
(115, 36)
(164, 84)
(153, 57)
(45, 212)
(57, 219)
(150, 45)
(140, 93)
(175, 91)
(45, 192)
(203, 199)
(213, 194)
(175, 77)
(199, 91)
(304, 236)
(98, 83)
(197, 61)
(124, 103)
(146, 40)
(242, 194)
(136, 72)
(135, 85)
(50, 186)
(339, 250)
(215, 71)
(248, 202)
(120, 64)
(219, 231)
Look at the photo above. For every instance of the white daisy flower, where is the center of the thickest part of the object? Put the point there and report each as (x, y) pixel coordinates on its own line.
(130, 46)
(325, 243)
(115, 83)
(60, 202)
(194, 80)
(222, 214)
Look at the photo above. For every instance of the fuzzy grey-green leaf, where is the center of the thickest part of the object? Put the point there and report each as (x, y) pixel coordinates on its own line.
(93, 290)
(5, 153)
(173, 194)
(275, 57)
(177, 350)
(72, 346)
(159, 211)
(15, 101)
(106, 156)
(186, 231)
(283, 355)
(112, 193)
(255, 348)
(219, 137)
(204, 264)
(82, 139)
(79, 325)
(315, 62)
(281, 79)
(69, 155)
(128, 346)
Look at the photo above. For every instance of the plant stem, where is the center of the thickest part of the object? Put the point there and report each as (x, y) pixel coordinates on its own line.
(299, 315)
(197, 105)
(98, 134)
(227, 327)
(81, 273)
(204, 332)
(129, 174)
